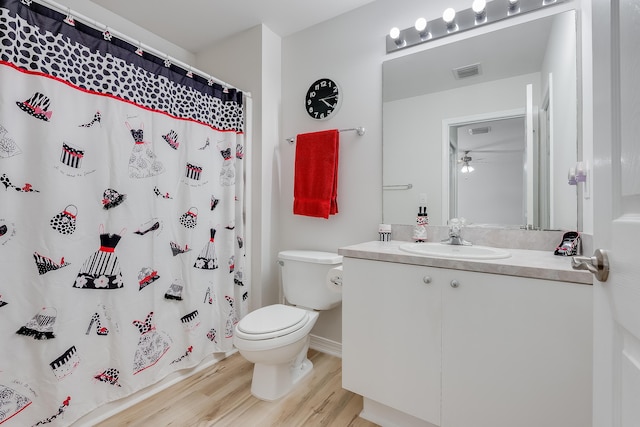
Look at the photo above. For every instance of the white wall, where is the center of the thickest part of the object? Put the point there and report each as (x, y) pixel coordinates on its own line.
(423, 115)
(492, 193)
(560, 63)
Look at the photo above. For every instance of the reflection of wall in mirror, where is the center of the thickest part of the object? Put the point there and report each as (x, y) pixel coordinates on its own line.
(412, 133)
(492, 193)
(560, 62)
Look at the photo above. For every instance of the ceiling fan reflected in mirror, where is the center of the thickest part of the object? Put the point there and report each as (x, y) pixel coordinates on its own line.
(493, 156)
(465, 159)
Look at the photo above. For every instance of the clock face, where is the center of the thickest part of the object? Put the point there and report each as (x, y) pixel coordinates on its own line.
(323, 99)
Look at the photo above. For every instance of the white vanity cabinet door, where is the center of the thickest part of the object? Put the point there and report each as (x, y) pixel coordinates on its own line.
(515, 352)
(391, 335)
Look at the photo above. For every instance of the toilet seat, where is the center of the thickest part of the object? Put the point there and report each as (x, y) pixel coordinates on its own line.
(271, 322)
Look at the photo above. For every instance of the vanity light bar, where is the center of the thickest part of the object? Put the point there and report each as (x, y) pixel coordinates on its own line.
(453, 22)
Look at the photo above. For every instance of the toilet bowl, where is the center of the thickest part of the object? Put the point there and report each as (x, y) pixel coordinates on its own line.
(276, 339)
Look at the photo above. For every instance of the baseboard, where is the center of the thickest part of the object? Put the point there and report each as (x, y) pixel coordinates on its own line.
(324, 345)
(110, 409)
(386, 416)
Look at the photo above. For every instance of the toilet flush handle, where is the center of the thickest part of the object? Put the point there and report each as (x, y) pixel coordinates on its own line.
(281, 263)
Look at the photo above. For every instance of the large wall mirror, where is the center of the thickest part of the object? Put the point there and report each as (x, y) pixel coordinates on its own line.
(485, 128)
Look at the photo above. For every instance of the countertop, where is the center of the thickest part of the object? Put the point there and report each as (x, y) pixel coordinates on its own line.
(522, 263)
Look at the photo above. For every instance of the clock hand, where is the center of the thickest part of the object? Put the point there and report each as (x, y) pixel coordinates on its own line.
(328, 105)
(328, 97)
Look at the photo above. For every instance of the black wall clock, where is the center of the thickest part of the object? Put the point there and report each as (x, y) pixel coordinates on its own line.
(323, 99)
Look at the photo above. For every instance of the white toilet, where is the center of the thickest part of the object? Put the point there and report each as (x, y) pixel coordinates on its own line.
(276, 337)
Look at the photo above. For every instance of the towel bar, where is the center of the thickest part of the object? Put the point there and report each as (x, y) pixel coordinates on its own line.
(398, 187)
(359, 130)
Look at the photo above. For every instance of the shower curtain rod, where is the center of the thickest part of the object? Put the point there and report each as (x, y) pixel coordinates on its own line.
(102, 27)
(360, 131)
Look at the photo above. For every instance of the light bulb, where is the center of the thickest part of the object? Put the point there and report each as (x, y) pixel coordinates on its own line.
(421, 28)
(395, 36)
(466, 168)
(449, 18)
(479, 8)
(449, 15)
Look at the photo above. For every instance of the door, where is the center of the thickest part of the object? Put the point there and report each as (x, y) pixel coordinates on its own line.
(616, 200)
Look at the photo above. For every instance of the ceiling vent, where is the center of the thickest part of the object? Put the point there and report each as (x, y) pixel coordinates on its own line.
(479, 130)
(466, 71)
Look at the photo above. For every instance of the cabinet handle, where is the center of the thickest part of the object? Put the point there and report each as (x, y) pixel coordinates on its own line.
(455, 283)
(426, 279)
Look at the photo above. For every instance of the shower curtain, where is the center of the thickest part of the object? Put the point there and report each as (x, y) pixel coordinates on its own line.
(121, 217)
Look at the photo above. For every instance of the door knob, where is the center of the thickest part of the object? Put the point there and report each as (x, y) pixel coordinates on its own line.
(598, 264)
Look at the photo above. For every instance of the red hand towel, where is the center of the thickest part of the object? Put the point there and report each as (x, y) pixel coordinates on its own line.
(315, 186)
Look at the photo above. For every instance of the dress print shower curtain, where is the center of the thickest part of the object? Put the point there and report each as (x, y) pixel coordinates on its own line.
(121, 217)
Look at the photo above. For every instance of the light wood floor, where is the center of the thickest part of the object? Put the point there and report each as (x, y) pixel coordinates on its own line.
(220, 396)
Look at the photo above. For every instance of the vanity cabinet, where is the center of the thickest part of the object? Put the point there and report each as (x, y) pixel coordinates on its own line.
(457, 348)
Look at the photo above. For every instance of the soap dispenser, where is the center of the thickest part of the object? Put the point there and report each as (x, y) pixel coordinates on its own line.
(420, 229)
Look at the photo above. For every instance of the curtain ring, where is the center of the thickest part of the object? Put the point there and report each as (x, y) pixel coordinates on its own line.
(167, 61)
(69, 18)
(106, 34)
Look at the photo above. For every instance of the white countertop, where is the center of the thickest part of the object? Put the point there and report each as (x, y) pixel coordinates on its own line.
(522, 262)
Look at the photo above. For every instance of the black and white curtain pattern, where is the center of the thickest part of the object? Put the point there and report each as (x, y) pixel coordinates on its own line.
(121, 226)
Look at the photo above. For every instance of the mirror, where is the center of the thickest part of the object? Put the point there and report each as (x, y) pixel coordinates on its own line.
(503, 103)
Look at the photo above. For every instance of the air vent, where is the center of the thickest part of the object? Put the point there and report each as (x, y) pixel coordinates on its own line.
(466, 71)
(479, 130)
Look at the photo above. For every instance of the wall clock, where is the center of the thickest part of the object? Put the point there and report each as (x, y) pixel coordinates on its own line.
(323, 99)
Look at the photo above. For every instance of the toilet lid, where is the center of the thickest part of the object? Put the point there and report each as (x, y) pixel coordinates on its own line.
(273, 321)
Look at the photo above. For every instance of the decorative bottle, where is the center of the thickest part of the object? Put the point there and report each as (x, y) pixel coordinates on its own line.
(420, 229)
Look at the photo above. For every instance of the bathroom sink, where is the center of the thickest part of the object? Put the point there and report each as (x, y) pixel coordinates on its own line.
(434, 249)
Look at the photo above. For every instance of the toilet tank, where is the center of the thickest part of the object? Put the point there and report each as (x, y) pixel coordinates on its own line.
(304, 278)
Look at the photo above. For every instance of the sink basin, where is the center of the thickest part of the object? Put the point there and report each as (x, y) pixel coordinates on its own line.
(434, 249)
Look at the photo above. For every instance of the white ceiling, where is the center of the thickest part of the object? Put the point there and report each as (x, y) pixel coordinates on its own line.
(196, 24)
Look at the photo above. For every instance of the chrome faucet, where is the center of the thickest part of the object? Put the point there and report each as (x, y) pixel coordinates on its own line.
(455, 233)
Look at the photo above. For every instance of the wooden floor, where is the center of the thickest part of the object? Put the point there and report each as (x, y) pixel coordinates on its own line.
(220, 396)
